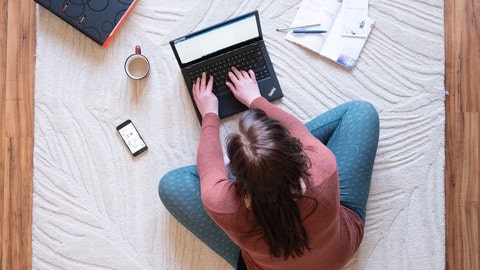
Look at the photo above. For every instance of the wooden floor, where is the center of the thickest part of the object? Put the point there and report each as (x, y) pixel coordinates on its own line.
(462, 81)
(17, 62)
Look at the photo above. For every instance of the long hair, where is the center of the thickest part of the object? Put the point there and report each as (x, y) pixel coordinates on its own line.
(268, 163)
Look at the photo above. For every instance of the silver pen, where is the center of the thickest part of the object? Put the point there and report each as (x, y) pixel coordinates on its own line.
(295, 27)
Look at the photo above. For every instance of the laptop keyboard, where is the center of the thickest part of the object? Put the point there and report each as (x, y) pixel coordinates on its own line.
(251, 59)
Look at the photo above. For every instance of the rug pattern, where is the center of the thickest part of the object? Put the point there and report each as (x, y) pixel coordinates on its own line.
(96, 207)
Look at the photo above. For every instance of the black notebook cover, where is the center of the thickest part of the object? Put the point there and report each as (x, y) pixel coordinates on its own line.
(98, 19)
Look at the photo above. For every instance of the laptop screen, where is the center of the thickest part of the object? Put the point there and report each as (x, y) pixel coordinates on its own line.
(217, 38)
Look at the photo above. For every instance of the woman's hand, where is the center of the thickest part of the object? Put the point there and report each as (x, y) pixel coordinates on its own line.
(243, 85)
(206, 101)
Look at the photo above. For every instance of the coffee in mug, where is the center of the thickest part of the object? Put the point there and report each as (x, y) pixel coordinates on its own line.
(137, 65)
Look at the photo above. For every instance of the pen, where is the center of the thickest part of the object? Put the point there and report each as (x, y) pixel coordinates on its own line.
(308, 31)
(301, 26)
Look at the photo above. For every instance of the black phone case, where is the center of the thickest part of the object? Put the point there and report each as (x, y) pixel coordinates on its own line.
(122, 125)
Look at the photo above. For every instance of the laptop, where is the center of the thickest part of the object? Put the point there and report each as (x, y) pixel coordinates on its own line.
(237, 42)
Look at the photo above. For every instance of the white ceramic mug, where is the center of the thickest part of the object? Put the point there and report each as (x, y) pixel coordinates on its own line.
(137, 65)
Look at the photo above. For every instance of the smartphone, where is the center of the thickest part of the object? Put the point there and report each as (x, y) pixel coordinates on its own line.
(132, 138)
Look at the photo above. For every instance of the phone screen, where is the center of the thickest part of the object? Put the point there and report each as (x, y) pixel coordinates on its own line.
(132, 138)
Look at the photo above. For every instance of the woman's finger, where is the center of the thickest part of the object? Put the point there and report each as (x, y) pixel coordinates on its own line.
(203, 82)
(210, 84)
(233, 78)
(252, 75)
(237, 72)
(244, 74)
(230, 86)
(196, 87)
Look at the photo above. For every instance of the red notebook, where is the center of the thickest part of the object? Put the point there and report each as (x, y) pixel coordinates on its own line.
(99, 19)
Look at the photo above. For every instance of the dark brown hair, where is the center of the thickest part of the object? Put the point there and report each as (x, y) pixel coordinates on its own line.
(268, 164)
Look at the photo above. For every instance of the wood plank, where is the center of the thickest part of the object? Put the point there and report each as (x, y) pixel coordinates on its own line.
(462, 36)
(462, 192)
(17, 60)
(4, 190)
(462, 81)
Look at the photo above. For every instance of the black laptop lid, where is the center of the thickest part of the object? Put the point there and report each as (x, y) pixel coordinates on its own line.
(217, 39)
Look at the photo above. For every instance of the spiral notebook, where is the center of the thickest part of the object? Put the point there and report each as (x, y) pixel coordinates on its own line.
(98, 20)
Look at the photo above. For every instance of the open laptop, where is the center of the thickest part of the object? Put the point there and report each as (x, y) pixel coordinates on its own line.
(237, 42)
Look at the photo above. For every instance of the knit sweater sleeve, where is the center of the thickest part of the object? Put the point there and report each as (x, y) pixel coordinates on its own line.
(216, 189)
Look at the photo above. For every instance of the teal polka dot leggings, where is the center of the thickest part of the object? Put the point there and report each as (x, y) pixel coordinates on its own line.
(350, 131)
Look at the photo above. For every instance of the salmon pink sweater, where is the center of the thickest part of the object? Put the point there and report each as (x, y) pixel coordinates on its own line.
(334, 231)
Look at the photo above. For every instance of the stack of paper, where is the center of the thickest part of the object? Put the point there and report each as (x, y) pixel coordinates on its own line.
(347, 25)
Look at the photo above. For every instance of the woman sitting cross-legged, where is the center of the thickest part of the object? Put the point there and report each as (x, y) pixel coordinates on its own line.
(292, 197)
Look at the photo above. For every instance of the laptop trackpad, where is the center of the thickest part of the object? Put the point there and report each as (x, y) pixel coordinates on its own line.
(229, 105)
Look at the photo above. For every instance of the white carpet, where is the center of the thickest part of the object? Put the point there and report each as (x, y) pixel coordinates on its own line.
(96, 207)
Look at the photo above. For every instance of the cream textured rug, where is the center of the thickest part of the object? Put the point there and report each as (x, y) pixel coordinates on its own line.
(96, 207)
